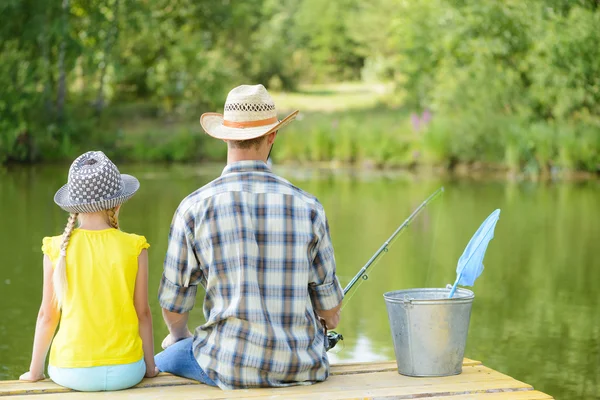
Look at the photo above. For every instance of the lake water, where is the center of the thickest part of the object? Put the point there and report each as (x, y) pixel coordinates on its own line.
(536, 314)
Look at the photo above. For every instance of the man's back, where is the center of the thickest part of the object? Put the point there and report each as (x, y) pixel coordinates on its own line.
(261, 248)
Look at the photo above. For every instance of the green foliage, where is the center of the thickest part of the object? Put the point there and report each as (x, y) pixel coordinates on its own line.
(509, 83)
(568, 85)
(386, 137)
(18, 98)
(323, 29)
(379, 138)
(68, 65)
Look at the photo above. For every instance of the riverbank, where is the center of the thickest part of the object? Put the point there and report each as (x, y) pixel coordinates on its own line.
(354, 125)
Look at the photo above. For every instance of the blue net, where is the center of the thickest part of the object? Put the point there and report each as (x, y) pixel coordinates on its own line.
(470, 263)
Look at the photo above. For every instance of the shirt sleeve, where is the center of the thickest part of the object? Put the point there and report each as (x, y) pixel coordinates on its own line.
(175, 292)
(50, 248)
(324, 287)
(140, 244)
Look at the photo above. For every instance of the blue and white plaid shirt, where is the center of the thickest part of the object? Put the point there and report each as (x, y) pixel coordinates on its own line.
(261, 248)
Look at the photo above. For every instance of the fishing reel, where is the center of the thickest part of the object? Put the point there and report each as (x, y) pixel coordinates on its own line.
(331, 339)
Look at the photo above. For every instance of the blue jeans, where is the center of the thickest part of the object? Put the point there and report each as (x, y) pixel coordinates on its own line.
(178, 359)
(96, 379)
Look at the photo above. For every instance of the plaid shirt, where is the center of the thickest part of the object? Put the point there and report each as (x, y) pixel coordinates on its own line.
(261, 249)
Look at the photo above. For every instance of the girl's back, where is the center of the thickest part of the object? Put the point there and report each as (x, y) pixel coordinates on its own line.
(95, 286)
(99, 324)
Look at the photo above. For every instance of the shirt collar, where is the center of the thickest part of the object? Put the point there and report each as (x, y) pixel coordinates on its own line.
(246, 166)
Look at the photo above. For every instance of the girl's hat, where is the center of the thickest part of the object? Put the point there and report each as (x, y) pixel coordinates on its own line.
(249, 113)
(95, 184)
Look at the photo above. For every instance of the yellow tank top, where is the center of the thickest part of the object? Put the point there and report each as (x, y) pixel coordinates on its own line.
(98, 324)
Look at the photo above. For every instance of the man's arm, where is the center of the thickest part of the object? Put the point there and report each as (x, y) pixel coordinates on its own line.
(325, 290)
(178, 329)
(177, 291)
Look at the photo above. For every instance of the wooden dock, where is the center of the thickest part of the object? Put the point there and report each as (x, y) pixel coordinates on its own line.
(378, 380)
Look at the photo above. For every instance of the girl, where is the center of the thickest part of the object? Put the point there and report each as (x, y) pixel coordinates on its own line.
(96, 285)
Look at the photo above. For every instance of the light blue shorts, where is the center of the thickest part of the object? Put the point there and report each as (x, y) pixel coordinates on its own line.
(95, 379)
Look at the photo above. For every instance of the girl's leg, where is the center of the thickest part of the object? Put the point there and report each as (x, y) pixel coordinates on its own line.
(124, 376)
(178, 359)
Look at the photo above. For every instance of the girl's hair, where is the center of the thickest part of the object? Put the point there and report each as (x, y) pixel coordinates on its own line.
(59, 276)
(112, 217)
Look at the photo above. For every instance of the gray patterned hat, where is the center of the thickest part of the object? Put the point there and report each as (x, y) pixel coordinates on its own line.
(95, 184)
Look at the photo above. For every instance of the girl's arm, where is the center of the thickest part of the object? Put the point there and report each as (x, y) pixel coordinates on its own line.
(47, 321)
(142, 309)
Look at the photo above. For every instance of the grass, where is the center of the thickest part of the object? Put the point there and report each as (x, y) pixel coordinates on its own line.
(349, 124)
(335, 127)
(331, 98)
(380, 137)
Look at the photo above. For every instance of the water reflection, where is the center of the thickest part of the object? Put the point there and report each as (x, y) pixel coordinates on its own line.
(535, 315)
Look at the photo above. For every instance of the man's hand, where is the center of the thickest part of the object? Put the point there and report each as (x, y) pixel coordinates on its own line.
(170, 339)
(330, 317)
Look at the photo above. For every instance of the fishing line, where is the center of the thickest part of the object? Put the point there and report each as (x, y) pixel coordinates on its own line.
(332, 337)
(433, 240)
(374, 261)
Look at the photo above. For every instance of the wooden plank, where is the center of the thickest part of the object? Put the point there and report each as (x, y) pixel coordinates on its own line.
(11, 388)
(191, 392)
(378, 366)
(384, 385)
(520, 395)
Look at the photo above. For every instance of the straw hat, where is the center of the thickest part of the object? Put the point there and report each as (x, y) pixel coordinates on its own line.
(249, 113)
(95, 184)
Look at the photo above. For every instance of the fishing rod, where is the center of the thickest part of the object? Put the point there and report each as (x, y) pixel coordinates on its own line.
(332, 337)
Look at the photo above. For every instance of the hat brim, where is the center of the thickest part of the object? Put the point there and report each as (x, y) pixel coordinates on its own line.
(130, 186)
(212, 123)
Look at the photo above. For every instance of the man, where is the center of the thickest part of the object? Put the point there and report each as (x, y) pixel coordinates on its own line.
(261, 249)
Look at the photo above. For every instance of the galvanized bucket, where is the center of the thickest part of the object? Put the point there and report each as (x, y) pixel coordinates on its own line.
(429, 330)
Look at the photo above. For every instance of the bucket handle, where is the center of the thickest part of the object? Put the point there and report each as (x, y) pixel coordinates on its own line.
(407, 301)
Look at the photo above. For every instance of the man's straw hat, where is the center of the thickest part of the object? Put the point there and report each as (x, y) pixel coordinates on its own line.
(249, 113)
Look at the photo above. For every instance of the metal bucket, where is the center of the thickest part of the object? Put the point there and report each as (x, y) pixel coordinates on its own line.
(429, 330)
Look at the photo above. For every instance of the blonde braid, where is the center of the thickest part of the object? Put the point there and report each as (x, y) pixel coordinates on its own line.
(59, 277)
(112, 217)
